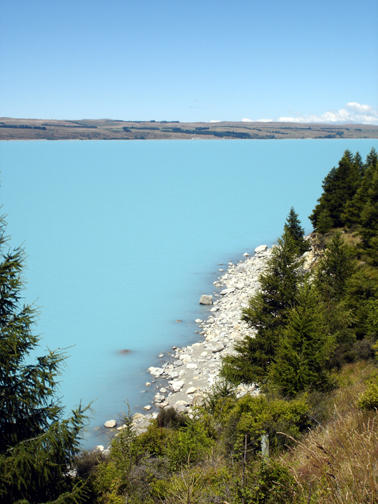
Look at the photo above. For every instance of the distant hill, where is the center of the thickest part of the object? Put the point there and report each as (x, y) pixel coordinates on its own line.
(107, 129)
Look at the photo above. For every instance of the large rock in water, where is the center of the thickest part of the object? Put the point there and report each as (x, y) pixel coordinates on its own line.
(206, 299)
(155, 371)
(110, 424)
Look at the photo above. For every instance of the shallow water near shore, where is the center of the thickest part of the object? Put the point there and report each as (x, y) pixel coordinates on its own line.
(122, 238)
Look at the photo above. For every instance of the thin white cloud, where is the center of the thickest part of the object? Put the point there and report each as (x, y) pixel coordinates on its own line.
(246, 119)
(214, 120)
(358, 106)
(353, 112)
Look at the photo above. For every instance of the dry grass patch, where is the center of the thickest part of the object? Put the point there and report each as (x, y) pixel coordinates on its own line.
(337, 463)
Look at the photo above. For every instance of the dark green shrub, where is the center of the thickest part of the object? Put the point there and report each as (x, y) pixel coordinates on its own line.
(255, 416)
(270, 484)
(153, 442)
(169, 417)
(188, 445)
(220, 391)
(86, 463)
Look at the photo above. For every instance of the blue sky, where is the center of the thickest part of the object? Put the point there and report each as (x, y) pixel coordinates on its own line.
(189, 60)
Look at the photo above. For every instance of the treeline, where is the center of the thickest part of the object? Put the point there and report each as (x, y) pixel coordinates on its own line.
(22, 126)
(349, 200)
(220, 134)
(313, 331)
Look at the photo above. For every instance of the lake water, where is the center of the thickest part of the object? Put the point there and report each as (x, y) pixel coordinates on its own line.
(122, 238)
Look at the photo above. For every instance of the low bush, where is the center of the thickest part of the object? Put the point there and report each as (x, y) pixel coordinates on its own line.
(270, 483)
(86, 463)
(169, 417)
(202, 484)
(154, 441)
(256, 416)
(188, 445)
(368, 400)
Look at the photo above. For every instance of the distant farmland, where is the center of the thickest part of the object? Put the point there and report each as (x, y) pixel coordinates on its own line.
(106, 129)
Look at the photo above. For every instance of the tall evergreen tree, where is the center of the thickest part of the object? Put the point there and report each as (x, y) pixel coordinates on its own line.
(353, 207)
(332, 277)
(304, 349)
(362, 301)
(339, 186)
(295, 230)
(37, 446)
(369, 217)
(334, 270)
(266, 314)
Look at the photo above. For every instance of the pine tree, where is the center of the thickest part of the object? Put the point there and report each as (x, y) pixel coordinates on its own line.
(294, 229)
(266, 314)
(372, 158)
(304, 349)
(362, 299)
(354, 206)
(332, 278)
(369, 217)
(37, 446)
(334, 270)
(339, 186)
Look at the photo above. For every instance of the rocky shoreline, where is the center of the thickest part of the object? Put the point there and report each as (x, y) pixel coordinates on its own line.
(190, 372)
(184, 379)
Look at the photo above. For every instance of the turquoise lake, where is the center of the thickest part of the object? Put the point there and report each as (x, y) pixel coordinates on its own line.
(122, 237)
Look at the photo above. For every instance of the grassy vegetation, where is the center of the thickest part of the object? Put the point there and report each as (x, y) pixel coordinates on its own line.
(323, 449)
(336, 462)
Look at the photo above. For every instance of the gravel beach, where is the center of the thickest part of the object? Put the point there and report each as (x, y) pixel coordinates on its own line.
(183, 380)
(194, 369)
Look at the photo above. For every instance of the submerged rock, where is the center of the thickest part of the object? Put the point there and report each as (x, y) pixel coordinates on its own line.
(124, 351)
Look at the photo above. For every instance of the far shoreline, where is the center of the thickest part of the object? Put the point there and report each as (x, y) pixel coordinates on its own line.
(109, 129)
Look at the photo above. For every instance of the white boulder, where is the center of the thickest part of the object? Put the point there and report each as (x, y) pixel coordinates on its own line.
(216, 347)
(206, 299)
(181, 406)
(191, 365)
(110, 424)
(177, 385)
(155, 371)
(261, 248)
